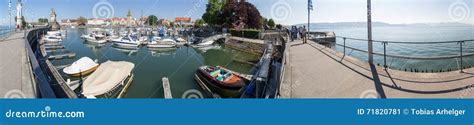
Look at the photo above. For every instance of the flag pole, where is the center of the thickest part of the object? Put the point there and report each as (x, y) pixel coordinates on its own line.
(309, 13)
(369, 32)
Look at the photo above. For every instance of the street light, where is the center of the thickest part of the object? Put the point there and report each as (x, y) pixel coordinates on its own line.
(369, 32)
(10, 14)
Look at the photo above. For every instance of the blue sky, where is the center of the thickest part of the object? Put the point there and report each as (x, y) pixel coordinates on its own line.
(284, 11)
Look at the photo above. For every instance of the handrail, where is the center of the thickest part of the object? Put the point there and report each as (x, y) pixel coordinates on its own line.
(410, 57)
(40, 77)
(42, 69)
(385, 55)
(405, 42)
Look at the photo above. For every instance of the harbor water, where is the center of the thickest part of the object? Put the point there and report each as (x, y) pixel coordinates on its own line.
(179, 64)
(410, 34)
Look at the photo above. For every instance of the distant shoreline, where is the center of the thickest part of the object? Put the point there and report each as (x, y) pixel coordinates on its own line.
(382, 24)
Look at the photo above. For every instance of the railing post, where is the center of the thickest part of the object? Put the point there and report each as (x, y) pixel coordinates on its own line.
(344, 38)
(460, 53)
(384, 54)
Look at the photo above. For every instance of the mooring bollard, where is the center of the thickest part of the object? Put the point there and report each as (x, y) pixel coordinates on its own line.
(384, 54)
(460, 53)
(344, 38)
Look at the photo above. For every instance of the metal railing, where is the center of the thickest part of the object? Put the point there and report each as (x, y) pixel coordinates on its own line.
(47, 84)
(40, 78)
(385, 43)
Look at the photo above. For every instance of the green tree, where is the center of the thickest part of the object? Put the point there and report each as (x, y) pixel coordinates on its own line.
(279, 26)
(271, 23)
(213, 9)
(172, 24)
(235, 12)
(43, 20)
(152, 20)
(81, 21)
(23, 22)
(264, 22)
(199, 23)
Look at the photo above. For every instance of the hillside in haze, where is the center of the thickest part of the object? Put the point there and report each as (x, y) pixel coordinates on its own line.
(382, 24)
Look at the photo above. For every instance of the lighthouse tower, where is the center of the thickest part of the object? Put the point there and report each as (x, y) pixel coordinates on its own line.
(19, 14)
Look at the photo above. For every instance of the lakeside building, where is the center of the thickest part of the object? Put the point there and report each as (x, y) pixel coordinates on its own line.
(99, 22)
(68, 22)
(142, 21)
(183, 21)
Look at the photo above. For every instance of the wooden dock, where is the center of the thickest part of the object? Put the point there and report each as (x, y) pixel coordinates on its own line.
(167, 88)
(62, 56)
(54, 47)
(125, 88)
(51, 44)
(55, 50)
(61, 82)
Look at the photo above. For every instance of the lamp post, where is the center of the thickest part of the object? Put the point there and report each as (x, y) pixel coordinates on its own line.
(10, 14)
(369, 32)
(310, 7)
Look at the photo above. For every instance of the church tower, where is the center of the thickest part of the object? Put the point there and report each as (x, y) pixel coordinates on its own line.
(129, 18)
(54, 24)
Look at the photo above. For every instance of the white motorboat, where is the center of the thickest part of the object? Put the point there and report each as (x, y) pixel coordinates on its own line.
(56, 34)
(206, 43)
(143, 39)
(157, 42)
(108, 78)
(180, 41)
(95, 38)
(127, 42)
(83, 66)
(49, 38)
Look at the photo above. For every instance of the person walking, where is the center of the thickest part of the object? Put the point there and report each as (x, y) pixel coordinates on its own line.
(304, 33)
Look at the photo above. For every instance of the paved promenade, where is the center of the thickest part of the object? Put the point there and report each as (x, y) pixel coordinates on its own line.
(314, 71)
(15, 72)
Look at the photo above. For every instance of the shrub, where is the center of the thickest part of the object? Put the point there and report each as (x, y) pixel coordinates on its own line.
(246, 33)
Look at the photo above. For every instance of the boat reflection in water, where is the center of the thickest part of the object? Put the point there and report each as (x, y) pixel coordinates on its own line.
(127, 51)
(157, 52)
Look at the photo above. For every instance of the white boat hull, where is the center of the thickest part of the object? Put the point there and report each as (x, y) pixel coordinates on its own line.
(207, 43)
(96, 41)
(160, 45)
(126, 45)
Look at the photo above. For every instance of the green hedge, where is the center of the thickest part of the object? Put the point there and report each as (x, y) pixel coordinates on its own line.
(246, 33)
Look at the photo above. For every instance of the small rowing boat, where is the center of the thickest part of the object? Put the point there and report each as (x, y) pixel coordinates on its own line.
(221, 81)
